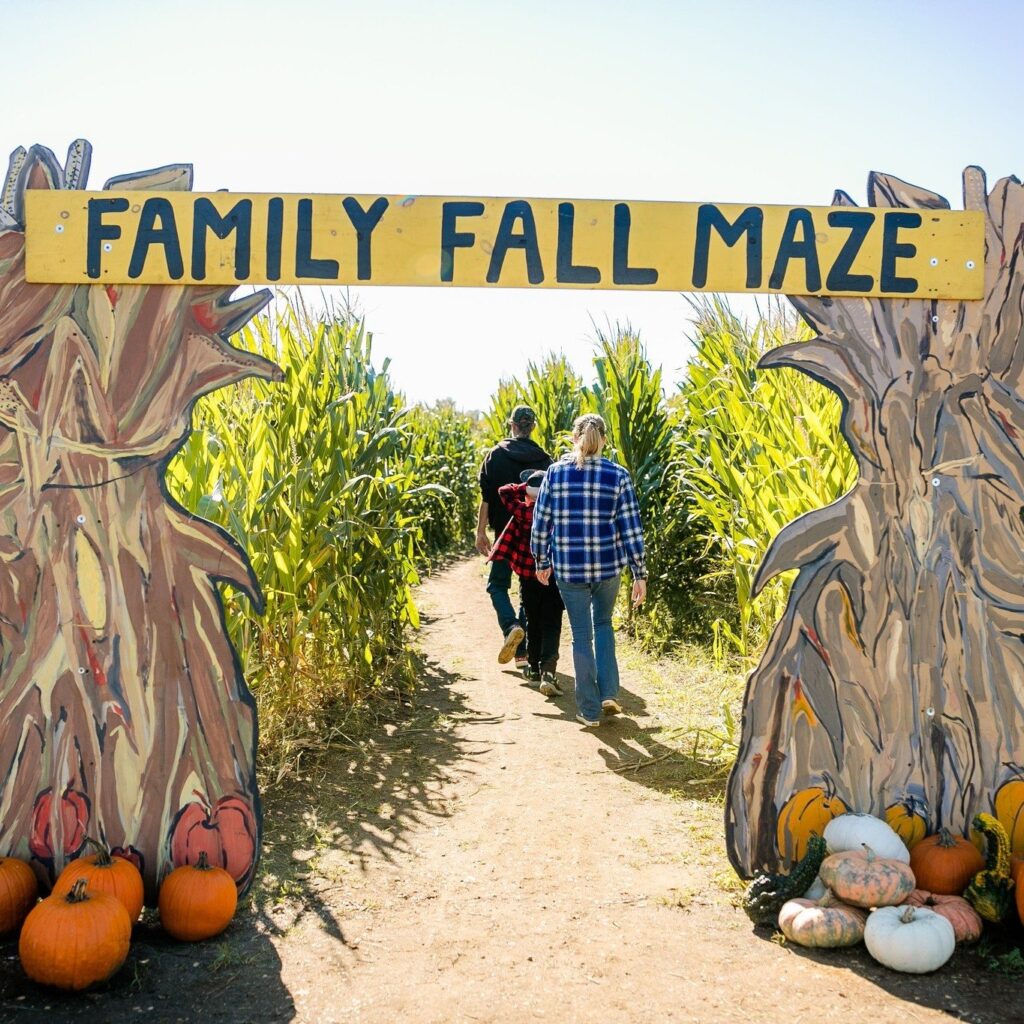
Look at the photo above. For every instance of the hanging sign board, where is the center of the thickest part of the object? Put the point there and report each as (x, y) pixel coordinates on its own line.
(227, 238)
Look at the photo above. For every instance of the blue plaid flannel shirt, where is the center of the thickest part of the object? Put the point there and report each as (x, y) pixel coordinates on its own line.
(586, 523)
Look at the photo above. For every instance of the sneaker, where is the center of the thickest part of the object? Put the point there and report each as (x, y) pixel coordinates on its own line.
(522, 662)
(513, 638)
(589, 723)
(531, 675)
(611, 707)
(549, 685)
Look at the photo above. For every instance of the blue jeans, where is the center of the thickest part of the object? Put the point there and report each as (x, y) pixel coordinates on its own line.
(590, 606)
(499, 579)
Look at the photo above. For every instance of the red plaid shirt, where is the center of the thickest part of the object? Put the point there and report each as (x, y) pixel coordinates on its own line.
(513, 546)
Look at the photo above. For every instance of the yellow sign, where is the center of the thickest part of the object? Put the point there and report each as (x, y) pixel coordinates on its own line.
(228, 238)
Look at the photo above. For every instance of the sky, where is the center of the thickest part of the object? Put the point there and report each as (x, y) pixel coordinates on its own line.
(720, 101)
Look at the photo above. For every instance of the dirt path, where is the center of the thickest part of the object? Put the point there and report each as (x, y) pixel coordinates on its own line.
(474, 857)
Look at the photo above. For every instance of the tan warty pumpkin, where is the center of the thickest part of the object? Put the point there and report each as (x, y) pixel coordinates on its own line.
(862, 879)
(966, 921)
(824, 923)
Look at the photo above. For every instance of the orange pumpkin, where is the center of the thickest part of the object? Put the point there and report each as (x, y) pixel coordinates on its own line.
(903, 819)
(113, 876)
(861, 879)
(1008, 806)
(1020, 898)
(966, 921)
(197, 902)
(1016, 870)
(76, 940)
(805, 813)
(18, 891)
(945, 863)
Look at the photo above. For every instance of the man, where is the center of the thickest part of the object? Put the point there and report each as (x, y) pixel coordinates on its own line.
(504, 464)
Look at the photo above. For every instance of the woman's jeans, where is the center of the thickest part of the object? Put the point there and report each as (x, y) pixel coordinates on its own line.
(590, 606)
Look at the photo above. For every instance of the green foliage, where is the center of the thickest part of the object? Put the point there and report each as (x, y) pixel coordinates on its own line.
(319, 480)
(628, 394)
(445, 452)
(554, 390)
(756, 451)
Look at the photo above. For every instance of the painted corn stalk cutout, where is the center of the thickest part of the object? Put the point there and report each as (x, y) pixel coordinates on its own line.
(123, 713)
(894, 683)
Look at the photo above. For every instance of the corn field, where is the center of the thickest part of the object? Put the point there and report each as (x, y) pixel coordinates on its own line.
(720, 464)
(339, 493)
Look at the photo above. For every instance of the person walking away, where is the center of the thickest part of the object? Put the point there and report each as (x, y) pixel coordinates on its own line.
(543, 603)
(502, 465)
(586, 529)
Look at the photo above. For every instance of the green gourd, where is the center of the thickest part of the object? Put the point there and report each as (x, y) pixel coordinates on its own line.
(990, 890)
(767, 893)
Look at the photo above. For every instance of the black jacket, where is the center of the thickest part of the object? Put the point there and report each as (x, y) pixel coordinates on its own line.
(502, 465)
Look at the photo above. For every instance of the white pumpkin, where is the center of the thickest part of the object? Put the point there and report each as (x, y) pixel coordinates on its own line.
(817, 889)
(914, 940)
(853, 831)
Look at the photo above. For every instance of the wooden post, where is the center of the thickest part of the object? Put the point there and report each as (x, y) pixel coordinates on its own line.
(894, 683)
(123, 712)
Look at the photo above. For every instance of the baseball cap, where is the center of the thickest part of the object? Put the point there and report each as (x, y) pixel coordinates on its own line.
(532, 477)
(523, 414)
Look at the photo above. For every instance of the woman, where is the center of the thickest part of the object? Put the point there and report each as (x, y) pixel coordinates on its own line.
(586, 526)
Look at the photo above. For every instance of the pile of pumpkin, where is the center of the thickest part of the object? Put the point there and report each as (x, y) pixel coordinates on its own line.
(80, 934)
(910, 907)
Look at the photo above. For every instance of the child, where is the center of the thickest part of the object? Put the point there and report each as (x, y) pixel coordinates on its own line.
(543, 604)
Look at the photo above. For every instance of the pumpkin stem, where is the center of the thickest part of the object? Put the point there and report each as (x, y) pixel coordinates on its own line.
(828, 900)
(868, 852)
(946, 839)
(907, 916)
(78, 893)
(103, 858)
(202, 864)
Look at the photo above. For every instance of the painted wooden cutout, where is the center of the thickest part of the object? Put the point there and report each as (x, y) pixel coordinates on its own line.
(894, 683)
(123, 712)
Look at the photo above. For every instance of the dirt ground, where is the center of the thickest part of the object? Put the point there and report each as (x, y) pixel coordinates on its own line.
(475, 856)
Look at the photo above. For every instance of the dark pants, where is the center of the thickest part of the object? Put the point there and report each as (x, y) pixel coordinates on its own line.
(499, 580)
(543, 622)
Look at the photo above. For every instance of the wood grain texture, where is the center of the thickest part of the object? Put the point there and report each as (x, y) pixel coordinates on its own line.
(896, 675)
(123, 712)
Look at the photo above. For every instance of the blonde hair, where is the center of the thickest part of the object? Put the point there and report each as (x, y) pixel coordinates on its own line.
(588, 434)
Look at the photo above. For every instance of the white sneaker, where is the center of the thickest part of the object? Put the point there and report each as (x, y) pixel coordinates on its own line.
(513, 638)
(611, 707)
(589, 723)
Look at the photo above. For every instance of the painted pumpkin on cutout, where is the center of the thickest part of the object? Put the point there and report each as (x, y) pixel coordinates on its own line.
(966, 921)
(73, 813)
(1008, 806)
(854, 831)
(861, 878)
(112, 876)
(827, 923)
(225, 832)
(913, 940)
(805, 814)
(76, 940)
(945, 863)
(18, 891)
(907, 822)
